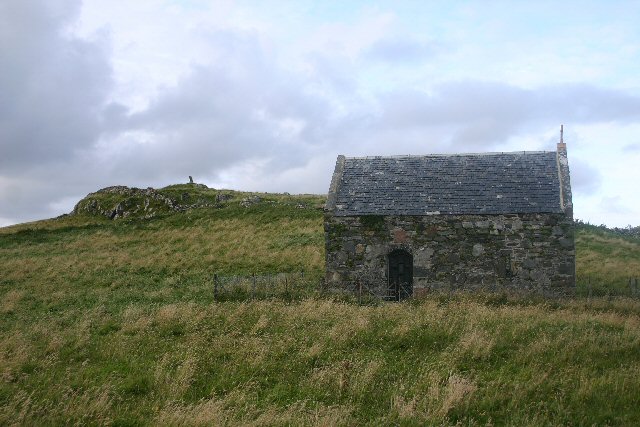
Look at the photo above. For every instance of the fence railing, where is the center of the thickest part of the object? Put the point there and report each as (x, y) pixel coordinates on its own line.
(380, 290)
(261, 286)
(590, 286)
(299, 285)
(291, 285)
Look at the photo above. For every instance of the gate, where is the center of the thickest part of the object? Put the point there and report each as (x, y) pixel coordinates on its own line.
(400, 275)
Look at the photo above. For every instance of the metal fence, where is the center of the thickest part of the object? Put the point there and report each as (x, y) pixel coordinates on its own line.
(589, 286)
(296, 285)
(384, 291)
(262, 286)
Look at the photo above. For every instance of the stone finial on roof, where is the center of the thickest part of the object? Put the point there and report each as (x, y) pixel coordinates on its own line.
(564, 176)
(561, 145)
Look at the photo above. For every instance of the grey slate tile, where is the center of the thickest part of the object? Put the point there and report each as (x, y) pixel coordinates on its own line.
(494, 183)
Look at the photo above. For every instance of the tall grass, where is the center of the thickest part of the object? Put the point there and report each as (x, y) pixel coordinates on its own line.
(605, 263)
(322, 362)
(115, 323)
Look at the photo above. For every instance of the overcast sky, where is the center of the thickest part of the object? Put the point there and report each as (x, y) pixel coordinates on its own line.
(263, 95)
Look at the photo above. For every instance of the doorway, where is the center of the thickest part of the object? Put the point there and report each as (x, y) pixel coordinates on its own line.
(400, 275)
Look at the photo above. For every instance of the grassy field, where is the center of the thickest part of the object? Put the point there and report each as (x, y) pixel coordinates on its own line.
(114, 323)
(605, 262)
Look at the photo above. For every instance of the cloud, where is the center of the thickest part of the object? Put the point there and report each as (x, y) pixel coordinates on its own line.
(31, 197)
(240, 108)
(397, 50)
(585, 179)
(487, 114)
(53, 85)
(631, 148)
(614, 204)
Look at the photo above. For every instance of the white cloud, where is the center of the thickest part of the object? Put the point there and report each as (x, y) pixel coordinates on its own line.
(399, 51)
(585, 179)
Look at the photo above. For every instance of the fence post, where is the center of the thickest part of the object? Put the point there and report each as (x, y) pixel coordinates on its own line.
(266, 292)
(253, 286)
(589, 286)
(359, 291)
(215, 287)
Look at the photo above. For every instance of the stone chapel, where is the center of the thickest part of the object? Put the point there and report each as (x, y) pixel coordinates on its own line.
(405, 225)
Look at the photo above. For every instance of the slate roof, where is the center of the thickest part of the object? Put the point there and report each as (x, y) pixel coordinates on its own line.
(488, 183)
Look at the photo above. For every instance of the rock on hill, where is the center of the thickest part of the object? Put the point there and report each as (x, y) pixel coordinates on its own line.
(129, 202)
(122, 202)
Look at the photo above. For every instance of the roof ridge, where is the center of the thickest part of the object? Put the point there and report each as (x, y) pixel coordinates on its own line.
(409, 156)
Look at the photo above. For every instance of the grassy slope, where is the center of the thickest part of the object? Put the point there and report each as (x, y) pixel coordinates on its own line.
(606, 262)
(114, 322)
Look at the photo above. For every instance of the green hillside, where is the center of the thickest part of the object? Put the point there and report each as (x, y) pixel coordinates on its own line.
(113, 321)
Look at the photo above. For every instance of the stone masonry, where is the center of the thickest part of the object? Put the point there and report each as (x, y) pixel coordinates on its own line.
(494, 221)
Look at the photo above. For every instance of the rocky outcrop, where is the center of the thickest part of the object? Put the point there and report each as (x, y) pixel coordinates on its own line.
(122, 202)
(250, 201)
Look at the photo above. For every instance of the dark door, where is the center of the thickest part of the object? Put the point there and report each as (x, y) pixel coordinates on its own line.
(400, 275)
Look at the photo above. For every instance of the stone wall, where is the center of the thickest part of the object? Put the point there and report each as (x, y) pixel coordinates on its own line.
(533, 252)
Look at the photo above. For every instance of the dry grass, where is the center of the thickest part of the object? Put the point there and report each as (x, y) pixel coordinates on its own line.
(319, 362)
(114, 323)
(606, 262)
